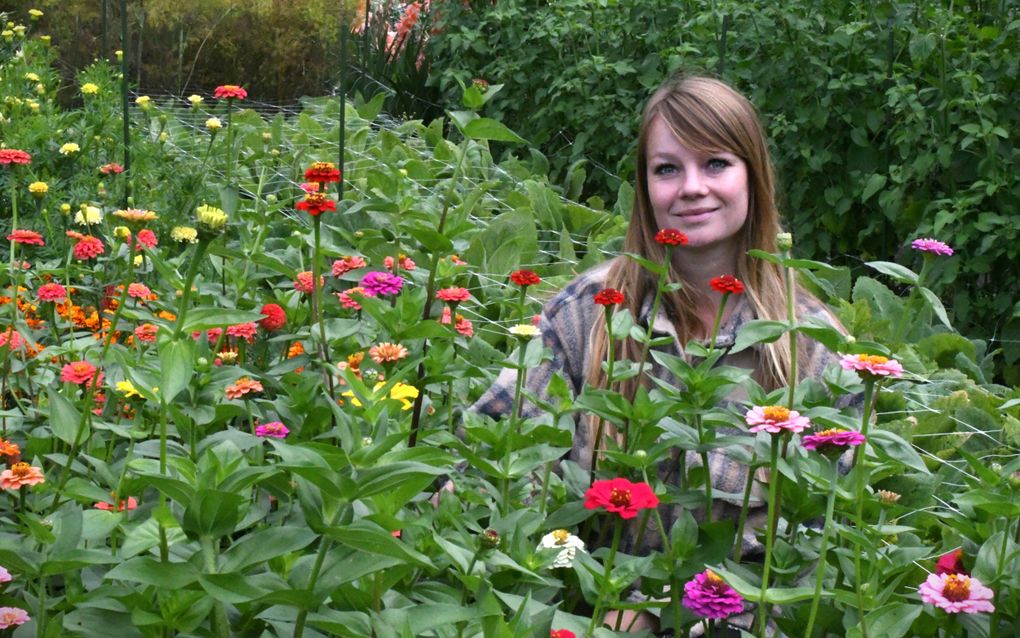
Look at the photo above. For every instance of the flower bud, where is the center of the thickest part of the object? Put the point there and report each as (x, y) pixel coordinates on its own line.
(271, 198)
(1014, 481)
(490, 538)
(641, 454)
(888, 498)
(366, 441)
(784, 241)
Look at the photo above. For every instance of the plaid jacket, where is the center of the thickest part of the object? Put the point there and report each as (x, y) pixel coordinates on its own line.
(566, 322)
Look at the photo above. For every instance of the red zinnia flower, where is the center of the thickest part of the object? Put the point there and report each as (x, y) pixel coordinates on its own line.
(323, 172)
(274, 317)
(52, 292)
(26, 237)
(621, 496)
(146, 333)
(14, 156)
(147, 238)
(561, 633)
(304, 280)
(671, 237)
(727, 284)
(111, 169)
(315, 204)
(524, 278)
(609, 297)
(230, 91)
(951, 563)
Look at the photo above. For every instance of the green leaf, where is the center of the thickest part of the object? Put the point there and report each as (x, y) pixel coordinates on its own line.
(767, 256)
(206, 317)
(149, 571)
(177, 366)
(892, 620)
(758, 331)
(396, 477)
(485, 128)
(230, 588)
(64, 417)
(265, 544)
(875, 183)
(212, 513)
(650, 266)
(894, 270)
(366, 536)
(892, 446)
(936, 305)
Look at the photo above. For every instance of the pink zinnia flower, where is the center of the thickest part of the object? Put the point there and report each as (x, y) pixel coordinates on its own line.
(130, 504)
(5, 576)
(11, 337)
(871, 366)
(381, 284)
(303, 283)
(309, 187)
(146, 333)
(12, 617)
(77, 372)
(138, 291)
(709, 596)
(229, 92)
(956, 593)
(14, 156)
(20, 475)
(347, 264)
(88, 247)
(52, 292)
(212, 335)
(463, 326)
(244, 331)
(274, 317)
(834, 441)
(349, 302)
(453, 294)
(932, 246)
(405, 262)
(274, 429)
(775, 419)
(111, 169)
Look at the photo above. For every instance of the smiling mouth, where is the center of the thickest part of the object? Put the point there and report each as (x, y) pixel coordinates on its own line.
(698, 212)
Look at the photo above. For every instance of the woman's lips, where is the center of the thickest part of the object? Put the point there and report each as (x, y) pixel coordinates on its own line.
(695, 215)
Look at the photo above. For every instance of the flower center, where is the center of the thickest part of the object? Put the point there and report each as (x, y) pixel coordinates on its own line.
(776, 413)
(21, 470)
(957, 588)
(620, 498)
(873, 359)
(712, 579)
(561, 536)
(830, 432)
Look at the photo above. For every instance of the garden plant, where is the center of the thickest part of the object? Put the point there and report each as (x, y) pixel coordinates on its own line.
(239, 349)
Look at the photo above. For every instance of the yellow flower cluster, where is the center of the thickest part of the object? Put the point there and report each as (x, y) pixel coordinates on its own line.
(211, 218)
(89, 89)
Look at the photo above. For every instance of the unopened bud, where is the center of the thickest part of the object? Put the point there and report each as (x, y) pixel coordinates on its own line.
(490, 538)
(784, 241)
(888, 498)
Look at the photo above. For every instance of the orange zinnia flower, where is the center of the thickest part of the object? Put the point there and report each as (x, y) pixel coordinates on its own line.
(387, 352)
(243, 386)
(9, 449)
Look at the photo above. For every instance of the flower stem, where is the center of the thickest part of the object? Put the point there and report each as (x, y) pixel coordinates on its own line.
(599, 441)
(824, 547)
(862, 479)
(189, 278)
(317, 302)
(324, 547)
(738, 549)
(514, 423)
(655, 312)
(604, 585)
(791, 317)
(718, 320)
(769, 536)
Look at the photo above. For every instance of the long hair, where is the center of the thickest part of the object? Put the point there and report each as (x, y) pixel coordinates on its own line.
(707, 116)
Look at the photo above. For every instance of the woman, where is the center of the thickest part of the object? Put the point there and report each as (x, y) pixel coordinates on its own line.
(703, 169)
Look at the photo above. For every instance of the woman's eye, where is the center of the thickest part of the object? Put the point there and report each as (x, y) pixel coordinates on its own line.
(717, 164)
(664, 169)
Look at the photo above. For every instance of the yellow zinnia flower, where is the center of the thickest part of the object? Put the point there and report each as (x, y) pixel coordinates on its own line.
(69, 148)
(211, 218)
(38, 188)
(184, 234)
(89, 89)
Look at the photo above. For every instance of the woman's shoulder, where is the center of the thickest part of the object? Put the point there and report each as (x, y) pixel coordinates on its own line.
(811, 307)
(579, 291)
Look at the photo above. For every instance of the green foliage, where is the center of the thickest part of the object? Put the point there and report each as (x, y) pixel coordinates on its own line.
(894, 126)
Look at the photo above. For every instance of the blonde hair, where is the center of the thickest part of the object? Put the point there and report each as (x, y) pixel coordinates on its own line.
(709, 116)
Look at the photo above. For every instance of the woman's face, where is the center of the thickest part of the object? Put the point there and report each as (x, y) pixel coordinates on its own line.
(703, 195)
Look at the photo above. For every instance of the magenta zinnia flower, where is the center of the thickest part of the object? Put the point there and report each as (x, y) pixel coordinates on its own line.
(871, 366)
(834, 441)
(381, 284)
(274, 429)
(932, 246)
(957, 593)
(775, 419)
(710, 597)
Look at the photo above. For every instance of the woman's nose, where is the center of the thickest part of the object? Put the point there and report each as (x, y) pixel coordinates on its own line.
(694, 184)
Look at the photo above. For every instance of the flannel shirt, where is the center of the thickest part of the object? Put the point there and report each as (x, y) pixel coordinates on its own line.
(566, 322)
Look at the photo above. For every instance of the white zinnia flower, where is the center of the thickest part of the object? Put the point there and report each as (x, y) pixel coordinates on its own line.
(567, 543)
(525, 330)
